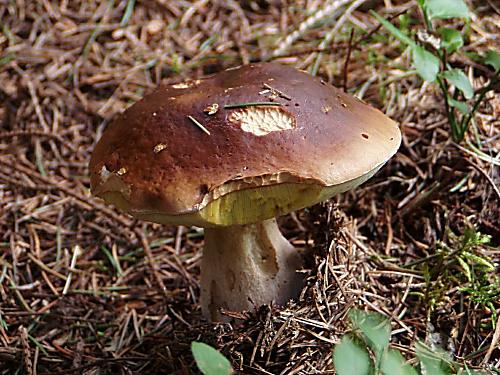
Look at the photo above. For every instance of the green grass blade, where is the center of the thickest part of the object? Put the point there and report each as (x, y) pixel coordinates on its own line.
(393, 29)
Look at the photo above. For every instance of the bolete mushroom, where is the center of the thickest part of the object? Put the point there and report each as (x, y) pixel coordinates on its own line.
(232, 152)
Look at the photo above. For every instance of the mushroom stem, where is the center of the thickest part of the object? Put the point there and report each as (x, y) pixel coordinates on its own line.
(244, 266)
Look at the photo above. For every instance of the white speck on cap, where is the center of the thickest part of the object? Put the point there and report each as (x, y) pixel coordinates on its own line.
(104, 174)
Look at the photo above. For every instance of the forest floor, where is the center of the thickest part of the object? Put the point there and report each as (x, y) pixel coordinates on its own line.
(87, 289)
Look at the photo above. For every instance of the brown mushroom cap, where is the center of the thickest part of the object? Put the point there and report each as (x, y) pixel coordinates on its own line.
(156, 162)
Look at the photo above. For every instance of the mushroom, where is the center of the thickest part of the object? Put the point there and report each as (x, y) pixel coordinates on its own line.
(232, 152)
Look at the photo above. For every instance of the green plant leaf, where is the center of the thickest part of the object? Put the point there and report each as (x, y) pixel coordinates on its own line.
(458, 79)
(393, 29)
(472, 238)
(461, 106)
(351, 357)
(479, 261)
(451, 39)
(375, 328)
(444, 9)
(492, 58)
(404, 23)
(393, 363)
(465, 268)
(426, 63)
(435, 362)
(209, 360)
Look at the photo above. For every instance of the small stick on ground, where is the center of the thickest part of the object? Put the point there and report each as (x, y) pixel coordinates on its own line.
(28, 365)
(347, 59)
(76, 252)
(153, 265)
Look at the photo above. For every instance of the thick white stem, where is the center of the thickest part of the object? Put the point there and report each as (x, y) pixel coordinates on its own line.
(245, 266)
